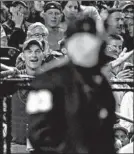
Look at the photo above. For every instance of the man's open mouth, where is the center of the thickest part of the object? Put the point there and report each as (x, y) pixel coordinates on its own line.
(53, 21)
(34, 60)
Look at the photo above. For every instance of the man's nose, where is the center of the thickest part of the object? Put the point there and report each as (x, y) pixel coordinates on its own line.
(121, 22)
(72, 9)
(33, 54)
(54, 15)
(121, 139)
(40, 38)
(118, 50)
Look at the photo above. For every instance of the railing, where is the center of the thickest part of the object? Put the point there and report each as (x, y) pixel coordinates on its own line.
(24, 83)
(121, 82)
(7, 87)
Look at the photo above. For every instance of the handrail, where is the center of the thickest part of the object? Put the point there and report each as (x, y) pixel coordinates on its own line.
(27, 79)
(123, 117)
(121, 81)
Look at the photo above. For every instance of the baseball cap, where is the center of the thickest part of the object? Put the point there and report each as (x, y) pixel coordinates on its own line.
(127, 5)
(33, 41)
(104, 6)
(14, 3)
(119, 127)
(112, 10)
(52, 5)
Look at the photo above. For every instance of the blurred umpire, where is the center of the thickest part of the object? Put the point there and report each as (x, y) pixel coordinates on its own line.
(71, 108)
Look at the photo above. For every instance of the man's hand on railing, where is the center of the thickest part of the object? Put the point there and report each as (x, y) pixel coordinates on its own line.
(12, 72)
(4, 67)
(125, 74)
(128, 65)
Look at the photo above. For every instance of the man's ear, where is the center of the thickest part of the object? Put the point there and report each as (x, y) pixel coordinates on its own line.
(12, 10)
(61, 16)
(43, 15)
(23, 57)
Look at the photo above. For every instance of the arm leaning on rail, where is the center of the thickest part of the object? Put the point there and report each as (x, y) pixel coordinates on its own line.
(123, 117)
(12, 72)
(5, 67)
(122, 58)
(8, 70)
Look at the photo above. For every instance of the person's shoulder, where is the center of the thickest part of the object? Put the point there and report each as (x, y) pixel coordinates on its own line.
(91, 7)
(63, 27)
(88, 8)
(60, 29)
(52, 74)
(91, 11)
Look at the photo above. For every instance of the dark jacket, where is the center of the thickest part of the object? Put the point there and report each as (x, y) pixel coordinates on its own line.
(35, 17)
(128, 41)
(16, 36)
(73, 125)
(19, 117)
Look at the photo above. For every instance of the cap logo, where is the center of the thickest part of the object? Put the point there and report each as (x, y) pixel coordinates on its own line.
(52, 6)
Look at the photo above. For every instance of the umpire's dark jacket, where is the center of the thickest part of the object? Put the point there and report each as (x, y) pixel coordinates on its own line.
(82, 117)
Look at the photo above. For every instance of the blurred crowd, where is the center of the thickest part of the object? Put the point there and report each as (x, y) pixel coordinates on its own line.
(36, 29)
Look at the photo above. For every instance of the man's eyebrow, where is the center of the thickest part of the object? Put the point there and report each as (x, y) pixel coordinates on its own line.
(118, 18)
(27, 48)
(38, 49)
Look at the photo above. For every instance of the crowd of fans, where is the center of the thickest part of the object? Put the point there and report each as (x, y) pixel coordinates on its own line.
(38, 28)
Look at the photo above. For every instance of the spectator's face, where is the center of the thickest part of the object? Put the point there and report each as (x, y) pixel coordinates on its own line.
(38, 5)
(71, 9)
(119, 134)
(129, 12)
(20, 8)
(52, 17)
(38, 33)
(33, 57)
(130, 26)
(117, 44)
(116, 22)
